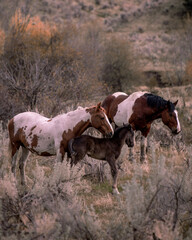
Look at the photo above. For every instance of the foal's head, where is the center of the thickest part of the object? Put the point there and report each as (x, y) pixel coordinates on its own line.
(126, 134)
(170, 117)
(100, 121)
(130, 136)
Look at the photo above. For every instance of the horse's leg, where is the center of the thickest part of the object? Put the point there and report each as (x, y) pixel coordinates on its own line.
(60, 154)
(13, 163)
(14, 152)
(143, 148)
(114, 173)
(24, 155)
(131, 151)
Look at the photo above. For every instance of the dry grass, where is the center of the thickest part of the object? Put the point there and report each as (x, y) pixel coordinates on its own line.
(60, 203)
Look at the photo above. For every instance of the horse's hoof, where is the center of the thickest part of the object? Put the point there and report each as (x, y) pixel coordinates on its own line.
(73, 154)
(115, 191)
(142, 160)
(131, 159)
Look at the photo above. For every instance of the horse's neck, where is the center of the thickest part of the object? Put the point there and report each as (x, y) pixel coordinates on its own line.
(156, 115)
(81, 127)
(82, 120)
(78, 121)
(121, 139)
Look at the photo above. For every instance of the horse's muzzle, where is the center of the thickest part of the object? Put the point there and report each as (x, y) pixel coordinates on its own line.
(131, 145)
(109, 135)
(175, 132)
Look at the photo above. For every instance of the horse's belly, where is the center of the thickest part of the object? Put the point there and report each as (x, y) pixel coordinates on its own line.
(45, 147)
(42, 144)
(97, 155)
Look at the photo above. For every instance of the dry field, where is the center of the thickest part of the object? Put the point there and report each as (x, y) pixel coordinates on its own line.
(61, 49)
(64, 203)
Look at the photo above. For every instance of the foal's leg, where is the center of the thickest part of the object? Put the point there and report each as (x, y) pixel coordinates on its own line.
(114, 173)
(24, 155)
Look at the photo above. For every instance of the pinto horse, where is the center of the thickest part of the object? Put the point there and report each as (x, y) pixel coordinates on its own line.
(107, 149)
(140, 109)
(48, 137)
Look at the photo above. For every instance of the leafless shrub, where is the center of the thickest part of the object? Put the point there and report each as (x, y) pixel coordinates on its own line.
(157, 204)
(119, 67)
(51, 209)
(42, 67)
(179, 57)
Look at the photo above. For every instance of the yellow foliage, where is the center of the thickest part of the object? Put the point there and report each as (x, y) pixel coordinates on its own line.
(34, 33)
(46, 38)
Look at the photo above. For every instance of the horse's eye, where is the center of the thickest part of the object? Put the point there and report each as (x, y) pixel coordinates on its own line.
(102, 118)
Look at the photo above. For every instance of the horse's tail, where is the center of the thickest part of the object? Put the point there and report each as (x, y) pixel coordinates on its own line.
(70, 147)
(71, 152)
(9, 149)
(9, 153)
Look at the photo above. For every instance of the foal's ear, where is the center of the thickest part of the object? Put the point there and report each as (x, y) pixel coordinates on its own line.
(129, 127)
(175, 103)
(98, 106)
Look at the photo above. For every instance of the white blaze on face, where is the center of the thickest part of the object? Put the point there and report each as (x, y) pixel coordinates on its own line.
(109, 123)
(125, 109)
(178, 123)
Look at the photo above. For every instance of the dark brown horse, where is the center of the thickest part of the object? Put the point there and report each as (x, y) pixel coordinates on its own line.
(140, 109)
(107, 149)
(49, 136)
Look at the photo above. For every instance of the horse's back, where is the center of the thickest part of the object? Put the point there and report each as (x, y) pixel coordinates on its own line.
(26, 120)
(125, 108)
(33, 131)
(110, 103)
(29, 117)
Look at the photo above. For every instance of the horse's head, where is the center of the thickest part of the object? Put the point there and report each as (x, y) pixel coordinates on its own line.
(170, 117)
(100, 121)
(130, 135)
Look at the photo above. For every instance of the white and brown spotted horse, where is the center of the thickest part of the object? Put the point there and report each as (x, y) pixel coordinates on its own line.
(140, 109)
(48, 137)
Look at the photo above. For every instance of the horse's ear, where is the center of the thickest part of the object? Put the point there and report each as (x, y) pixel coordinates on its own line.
(175, 103)
(98, 106)
(129, 127)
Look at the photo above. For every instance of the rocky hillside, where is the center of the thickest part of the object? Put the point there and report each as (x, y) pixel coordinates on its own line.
(155, 27)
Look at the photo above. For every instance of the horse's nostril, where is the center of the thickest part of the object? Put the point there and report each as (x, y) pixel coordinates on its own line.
(175, 131)
(109, 135)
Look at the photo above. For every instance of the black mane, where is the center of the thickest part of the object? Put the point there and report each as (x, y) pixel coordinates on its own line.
(158, 102)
